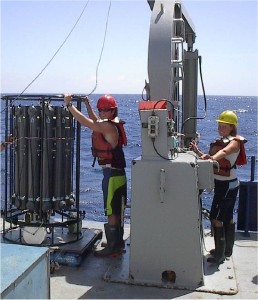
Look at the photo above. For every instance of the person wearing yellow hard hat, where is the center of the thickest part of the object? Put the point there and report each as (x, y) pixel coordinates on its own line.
(228, 117)
(228, 151)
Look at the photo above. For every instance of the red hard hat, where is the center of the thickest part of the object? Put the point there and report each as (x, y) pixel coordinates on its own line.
(106, 101)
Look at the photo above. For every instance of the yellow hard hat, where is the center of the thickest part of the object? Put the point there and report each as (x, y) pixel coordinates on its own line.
(228, 117)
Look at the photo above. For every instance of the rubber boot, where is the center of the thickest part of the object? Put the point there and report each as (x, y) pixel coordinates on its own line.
(229, 238)
(121, 242)
(212, 251)
(112, 235)
(219, 237)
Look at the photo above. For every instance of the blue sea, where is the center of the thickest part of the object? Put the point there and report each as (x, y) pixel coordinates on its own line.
(90, 185)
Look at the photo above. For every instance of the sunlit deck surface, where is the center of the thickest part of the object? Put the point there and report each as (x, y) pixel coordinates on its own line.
(109, 278)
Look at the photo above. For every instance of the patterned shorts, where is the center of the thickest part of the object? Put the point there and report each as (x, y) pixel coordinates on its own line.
(114, 189)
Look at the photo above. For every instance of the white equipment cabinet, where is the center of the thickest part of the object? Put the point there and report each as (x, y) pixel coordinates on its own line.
(25, 272)
(166, 222)
(166, 237)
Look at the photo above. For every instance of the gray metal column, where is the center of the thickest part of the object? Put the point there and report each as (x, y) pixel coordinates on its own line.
(21, 157)
(189, 102)
(34, 156)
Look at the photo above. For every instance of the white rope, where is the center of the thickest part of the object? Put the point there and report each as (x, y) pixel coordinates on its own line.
(60, 47)
(98, 64)
(102, 49)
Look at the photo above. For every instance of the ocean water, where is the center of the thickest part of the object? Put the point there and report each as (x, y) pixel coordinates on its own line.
(90, 184)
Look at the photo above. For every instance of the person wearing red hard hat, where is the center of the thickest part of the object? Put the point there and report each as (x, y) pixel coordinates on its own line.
(229, 152)
(108, 139)
(106, 102)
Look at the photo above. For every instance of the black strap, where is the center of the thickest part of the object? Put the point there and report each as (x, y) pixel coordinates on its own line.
(94, 160)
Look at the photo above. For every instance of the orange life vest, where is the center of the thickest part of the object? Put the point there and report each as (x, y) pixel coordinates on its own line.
(103, 151)
(224, 164)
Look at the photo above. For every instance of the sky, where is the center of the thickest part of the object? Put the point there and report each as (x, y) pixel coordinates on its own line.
(33, 31)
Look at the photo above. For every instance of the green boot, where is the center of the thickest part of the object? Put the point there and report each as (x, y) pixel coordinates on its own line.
(230, 238)
(219, 238)
(112, 249)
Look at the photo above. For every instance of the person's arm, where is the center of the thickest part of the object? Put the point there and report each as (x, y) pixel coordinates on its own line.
(2, 146)
(195, 149)
(6, 143)
(79, 116)
(90, 111)
(232, 147)
(108, 130)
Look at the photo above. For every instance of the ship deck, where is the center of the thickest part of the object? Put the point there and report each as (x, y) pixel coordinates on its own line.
(108, 278)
